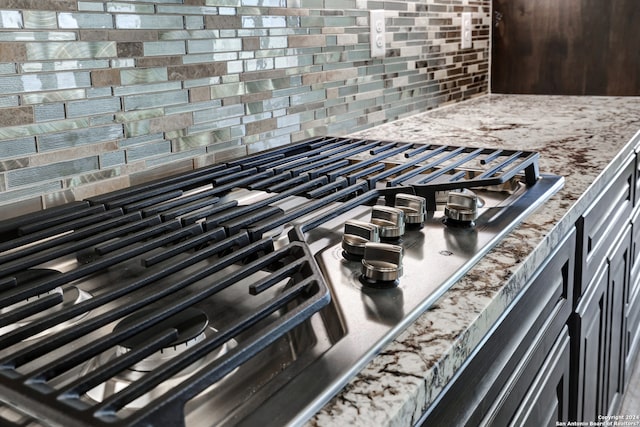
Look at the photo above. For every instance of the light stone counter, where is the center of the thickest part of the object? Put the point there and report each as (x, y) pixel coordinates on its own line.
(584, 139)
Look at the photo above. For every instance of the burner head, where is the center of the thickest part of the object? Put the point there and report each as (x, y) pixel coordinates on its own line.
(461, 209)
(190, 325)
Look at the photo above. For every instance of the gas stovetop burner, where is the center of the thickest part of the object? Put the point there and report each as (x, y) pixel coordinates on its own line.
(191, 327)
(43, 305)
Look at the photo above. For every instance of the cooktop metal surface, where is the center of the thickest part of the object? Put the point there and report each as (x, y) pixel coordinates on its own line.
(243, 292)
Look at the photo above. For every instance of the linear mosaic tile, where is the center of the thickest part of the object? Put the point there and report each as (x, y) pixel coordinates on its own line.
(140, 21)
(84, 20)
(214, 76)
(9, 197)
(188, 10)
(54, 171)
(146, 88)
(137, 102)
(90, 64)
(93, 107)
(154, 149)
(164, 48)
(129, 8)
(87, 6)
(9, 101)
(78, 137)
(111, 159)
(44, 82)
(47, 112)
(10, 19)
(171, 159)
(17, 147)
(53, 51)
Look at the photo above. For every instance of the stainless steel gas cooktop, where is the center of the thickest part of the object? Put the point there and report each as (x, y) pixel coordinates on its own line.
(245, 292)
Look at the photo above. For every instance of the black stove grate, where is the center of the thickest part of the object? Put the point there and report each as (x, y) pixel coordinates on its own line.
(304, 294)
(181, 231)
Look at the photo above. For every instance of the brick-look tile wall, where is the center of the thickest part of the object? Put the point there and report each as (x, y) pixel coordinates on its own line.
(98, 95)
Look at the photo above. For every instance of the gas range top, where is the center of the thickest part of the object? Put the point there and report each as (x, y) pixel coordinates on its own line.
(246, 291)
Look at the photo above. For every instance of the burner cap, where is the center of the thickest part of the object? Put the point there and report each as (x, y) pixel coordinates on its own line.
(190, 324)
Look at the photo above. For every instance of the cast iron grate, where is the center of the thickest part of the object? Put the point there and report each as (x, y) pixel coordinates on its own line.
(173, 227)
(30, 384)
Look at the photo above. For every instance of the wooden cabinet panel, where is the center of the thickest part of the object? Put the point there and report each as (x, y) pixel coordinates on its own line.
(632, 338)
(632, 300)
(635, 255)
(568, 47)
(616, 289)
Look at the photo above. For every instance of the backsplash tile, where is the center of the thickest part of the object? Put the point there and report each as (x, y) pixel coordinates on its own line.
(97, 95)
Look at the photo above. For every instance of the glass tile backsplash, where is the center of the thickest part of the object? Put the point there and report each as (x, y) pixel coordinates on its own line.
(98, 95)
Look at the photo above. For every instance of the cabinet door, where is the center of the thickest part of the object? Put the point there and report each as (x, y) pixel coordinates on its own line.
(600, 224)
(632, 297)
(548, 398)
(632, 338)
(599, 371)
(617, 287)
(590, 322)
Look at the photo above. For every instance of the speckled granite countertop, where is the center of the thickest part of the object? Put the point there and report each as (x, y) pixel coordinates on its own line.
(584, 139)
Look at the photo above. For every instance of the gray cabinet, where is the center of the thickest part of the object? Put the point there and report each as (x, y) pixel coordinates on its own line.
(600, 224)
(603, 276)
(632, 297)
(547, 399)
(600, 337)
(564, 349)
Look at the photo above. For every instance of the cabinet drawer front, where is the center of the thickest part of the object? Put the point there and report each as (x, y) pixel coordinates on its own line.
(546, 401)
(602, 221)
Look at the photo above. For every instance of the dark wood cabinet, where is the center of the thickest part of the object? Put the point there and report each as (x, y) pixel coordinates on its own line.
(616, 289)
(567, 47)
(603, 283)
(589, 350)
(600, 224)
